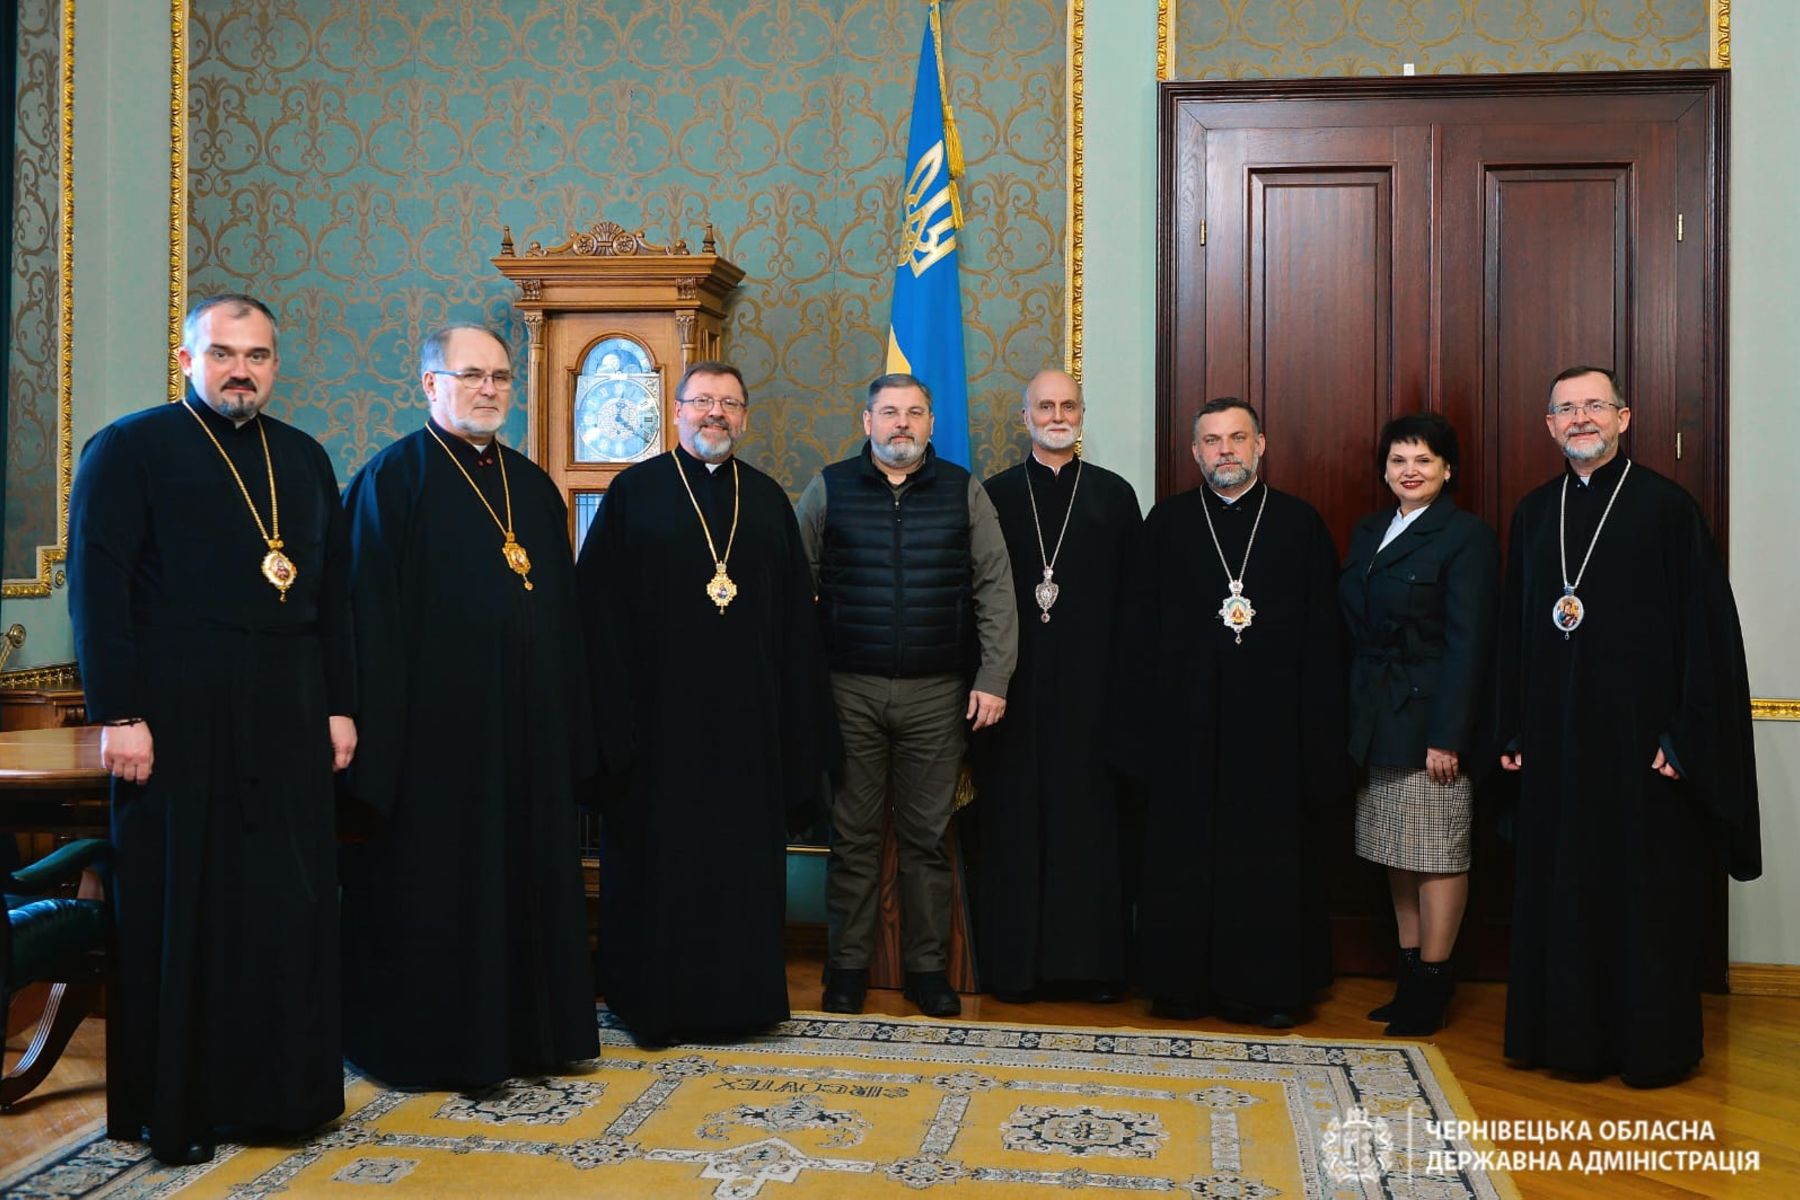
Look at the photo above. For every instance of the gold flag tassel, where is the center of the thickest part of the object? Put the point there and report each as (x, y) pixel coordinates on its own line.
(953, 154)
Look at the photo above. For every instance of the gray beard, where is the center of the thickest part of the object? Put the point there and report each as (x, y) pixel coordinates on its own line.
(895, 456)
(712, 445)
(1223, 479)
(1055, 441)
(1586, 456)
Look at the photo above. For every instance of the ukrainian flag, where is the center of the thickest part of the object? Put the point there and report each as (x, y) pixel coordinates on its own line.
(925, 334)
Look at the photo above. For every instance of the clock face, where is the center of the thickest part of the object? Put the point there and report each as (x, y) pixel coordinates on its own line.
(618, 414)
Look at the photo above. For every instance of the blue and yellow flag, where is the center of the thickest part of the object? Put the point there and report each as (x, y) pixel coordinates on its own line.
(925, 333)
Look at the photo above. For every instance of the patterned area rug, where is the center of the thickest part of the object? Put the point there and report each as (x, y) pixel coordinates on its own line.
(837, 1107)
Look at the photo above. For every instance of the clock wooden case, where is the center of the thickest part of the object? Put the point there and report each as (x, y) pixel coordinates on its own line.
(613, 321)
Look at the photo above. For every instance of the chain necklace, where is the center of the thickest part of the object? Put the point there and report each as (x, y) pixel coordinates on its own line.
(719, 589)
(516, 559)
(1047, 591)
(277, 567)
(1567, 613)
(1236, 611)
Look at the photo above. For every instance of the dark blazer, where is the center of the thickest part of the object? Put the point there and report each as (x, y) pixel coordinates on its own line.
(1421, 617)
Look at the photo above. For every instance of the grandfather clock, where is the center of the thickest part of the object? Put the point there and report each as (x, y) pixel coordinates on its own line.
(614, 320)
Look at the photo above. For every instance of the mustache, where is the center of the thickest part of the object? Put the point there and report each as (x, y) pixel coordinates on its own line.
(240, 382)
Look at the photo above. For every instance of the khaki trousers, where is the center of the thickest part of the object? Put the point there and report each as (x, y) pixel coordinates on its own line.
(903, 745)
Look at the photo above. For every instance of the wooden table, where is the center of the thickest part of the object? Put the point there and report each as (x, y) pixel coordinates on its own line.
(52, 787)
(52, 790)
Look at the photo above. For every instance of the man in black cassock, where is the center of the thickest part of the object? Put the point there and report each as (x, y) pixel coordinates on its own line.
(465, 926)
(702, 649)
(1234, 719)
(1625, 708)
(209, 591)
(1050, 901)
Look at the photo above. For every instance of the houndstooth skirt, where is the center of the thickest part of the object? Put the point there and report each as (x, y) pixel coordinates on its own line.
(1405, 820)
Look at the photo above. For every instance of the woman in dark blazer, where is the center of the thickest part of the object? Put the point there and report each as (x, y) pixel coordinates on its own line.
(1419, 591)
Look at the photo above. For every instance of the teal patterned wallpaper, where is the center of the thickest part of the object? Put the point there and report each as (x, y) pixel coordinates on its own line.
(353, 165)
(32, 398)
(1229, 39)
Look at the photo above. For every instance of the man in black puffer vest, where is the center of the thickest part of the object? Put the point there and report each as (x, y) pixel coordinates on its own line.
(916, 603)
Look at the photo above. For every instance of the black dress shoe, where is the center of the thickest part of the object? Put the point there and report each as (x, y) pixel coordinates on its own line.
(845, 989)
(1250, 1014)
(1167, 1008)
(1104, 991)
(932, 992)
(1024, 996)
(188, 1155)
(1655, 1079)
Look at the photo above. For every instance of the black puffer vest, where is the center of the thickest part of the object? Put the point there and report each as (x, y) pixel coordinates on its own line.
(895, 591)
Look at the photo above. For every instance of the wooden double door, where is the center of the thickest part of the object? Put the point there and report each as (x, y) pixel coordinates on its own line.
(1339, 252)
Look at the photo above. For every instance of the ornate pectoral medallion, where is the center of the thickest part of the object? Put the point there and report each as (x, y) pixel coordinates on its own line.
(517, 559)
(279, 569)
(1236, 611)
(720, 589)
(1046, 593)
(1568, 612)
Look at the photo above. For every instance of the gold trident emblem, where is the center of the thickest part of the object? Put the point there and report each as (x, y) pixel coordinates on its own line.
(928, 240)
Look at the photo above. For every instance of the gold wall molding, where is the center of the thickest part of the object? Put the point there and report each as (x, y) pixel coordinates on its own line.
(49, 577)
(178, 199)
(1721, 33)
(1073, 242)
(1762, 979)
(55, 675)
(1165, 39)
(1774, 710)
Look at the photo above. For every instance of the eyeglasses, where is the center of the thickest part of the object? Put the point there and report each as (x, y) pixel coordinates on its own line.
(730, 404)
(1589, 408)
(472, 378)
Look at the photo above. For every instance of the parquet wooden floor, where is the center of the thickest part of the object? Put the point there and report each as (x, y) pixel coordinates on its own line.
(1748, 1086)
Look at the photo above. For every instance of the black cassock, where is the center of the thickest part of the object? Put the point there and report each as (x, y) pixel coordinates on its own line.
(1241, 746)
(226, 887)
(465, 927)
(1050, 901)
(1614, 861)
(708, 731)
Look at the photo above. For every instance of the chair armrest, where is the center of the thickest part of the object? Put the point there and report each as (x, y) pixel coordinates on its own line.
(65, 865)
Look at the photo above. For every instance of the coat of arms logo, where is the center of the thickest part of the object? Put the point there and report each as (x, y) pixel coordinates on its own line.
(1357, 1147)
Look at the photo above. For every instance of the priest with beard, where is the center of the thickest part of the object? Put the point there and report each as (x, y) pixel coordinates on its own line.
(707, 695)
(1234, 718)
(1624, 709)
(465, 925)
(209, 590)
(1051, 903)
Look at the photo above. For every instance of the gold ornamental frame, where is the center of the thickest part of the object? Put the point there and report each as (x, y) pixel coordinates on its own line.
(49, 575)
(178, 187)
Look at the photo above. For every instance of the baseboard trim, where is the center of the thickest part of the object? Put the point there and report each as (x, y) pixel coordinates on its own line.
(1764, 979)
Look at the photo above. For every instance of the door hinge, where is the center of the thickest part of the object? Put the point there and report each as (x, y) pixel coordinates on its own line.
(1680, 222)
(1203, 231)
